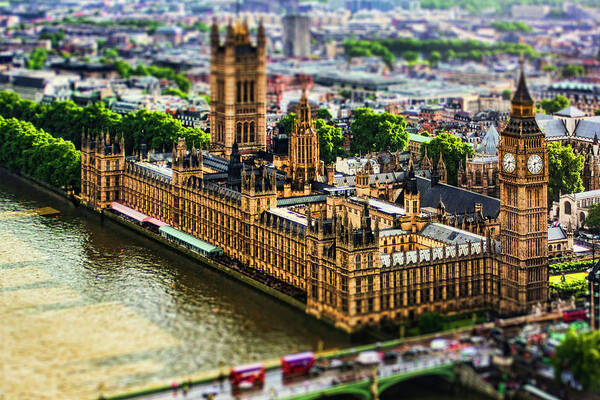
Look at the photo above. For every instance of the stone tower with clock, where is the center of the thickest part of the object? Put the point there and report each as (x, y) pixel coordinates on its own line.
(524, 207)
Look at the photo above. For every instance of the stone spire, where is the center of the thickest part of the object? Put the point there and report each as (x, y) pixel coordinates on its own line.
(522, 105)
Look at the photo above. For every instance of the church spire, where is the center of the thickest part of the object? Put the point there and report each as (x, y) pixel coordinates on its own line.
(304, 112)
(522, 105)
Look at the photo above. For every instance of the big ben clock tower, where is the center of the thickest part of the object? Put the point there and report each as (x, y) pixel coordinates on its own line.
(523, 159)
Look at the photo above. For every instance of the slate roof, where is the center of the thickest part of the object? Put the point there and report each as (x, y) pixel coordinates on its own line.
(448, 234)
(587, 129)
(350, 180)
(556, 233)
(570, 111)
(455, 199)
(552, 127)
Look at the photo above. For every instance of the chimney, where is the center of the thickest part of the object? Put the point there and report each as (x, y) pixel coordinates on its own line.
(331, 175)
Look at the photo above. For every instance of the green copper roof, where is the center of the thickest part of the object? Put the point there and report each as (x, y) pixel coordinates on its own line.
(184, 237)
(418, 138)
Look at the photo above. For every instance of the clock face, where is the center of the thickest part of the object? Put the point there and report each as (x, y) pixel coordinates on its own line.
(508, 162)
(535, 164)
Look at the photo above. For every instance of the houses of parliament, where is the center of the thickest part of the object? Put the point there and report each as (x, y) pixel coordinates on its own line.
(359, 259)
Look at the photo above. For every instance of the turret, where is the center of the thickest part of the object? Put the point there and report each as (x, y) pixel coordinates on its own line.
(214, 36)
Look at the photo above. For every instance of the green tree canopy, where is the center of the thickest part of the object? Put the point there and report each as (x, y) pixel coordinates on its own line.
(550, 106)
(323, 113)
(373, 131)
(410, 56)
(572, 71)
(579, 353)
(286, 124)
(564, 169)
(33, 152)
(430, 322)
(506, 94)
(453, 149)
(331, 141)
(593, 218)
(37, 58)
(434, 58)
(67, 120)
(549, 68)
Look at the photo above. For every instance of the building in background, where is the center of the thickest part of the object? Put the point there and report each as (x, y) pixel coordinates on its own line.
(296, 36)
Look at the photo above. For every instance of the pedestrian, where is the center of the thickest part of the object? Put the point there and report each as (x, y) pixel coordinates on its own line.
(174, 385)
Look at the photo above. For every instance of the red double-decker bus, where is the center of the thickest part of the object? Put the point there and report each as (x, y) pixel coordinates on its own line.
(579, 314)
(297, 364)
(251, 375)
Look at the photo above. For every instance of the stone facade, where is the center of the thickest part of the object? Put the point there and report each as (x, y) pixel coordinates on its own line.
(238, 86)
(359, 259)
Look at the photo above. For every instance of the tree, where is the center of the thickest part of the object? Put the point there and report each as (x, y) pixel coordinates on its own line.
(323, 113)
(593, 218)
(506, 94)
(564, 169)
(410, 56)
(430, 322)
(37, 58)
(579, 353)
(554, 105)
(549, 68)
(286, 124)
(453, 149)
(572, 71)
(331, 141)
(373, 131)
(597, 111)
(183, 83)
(434, 58)
(175, 92)
(345, 94)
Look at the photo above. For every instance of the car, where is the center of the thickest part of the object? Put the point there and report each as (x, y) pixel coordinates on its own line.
(341, 365)
(316, 370)
(390, 356)
(368, 358)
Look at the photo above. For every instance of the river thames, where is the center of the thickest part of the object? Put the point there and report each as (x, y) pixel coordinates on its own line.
(89, 307)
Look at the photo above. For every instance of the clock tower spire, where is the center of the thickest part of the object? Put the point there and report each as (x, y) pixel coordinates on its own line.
(523, 158)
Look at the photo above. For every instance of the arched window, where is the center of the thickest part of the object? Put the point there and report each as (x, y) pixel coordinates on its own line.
(238, 136)
(245, 92)
(357, 261)
(239, 91)
(568, 208)
(252, 132)
(252, 91)
(478, 177)
(245, 132)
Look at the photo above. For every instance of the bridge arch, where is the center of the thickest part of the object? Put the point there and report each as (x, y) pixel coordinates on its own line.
(388, 382)
(354, 392)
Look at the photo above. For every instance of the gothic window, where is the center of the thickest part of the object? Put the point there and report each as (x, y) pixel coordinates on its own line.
(239, 92)
(245, 132)
(478, 177)
(251, 91)
(245, 92)
(370, 260)
(568, 208)
(358, 261)
(238, 137)
(252, 139)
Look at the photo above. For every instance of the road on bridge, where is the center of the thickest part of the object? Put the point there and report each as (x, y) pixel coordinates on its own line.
(276, 387)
